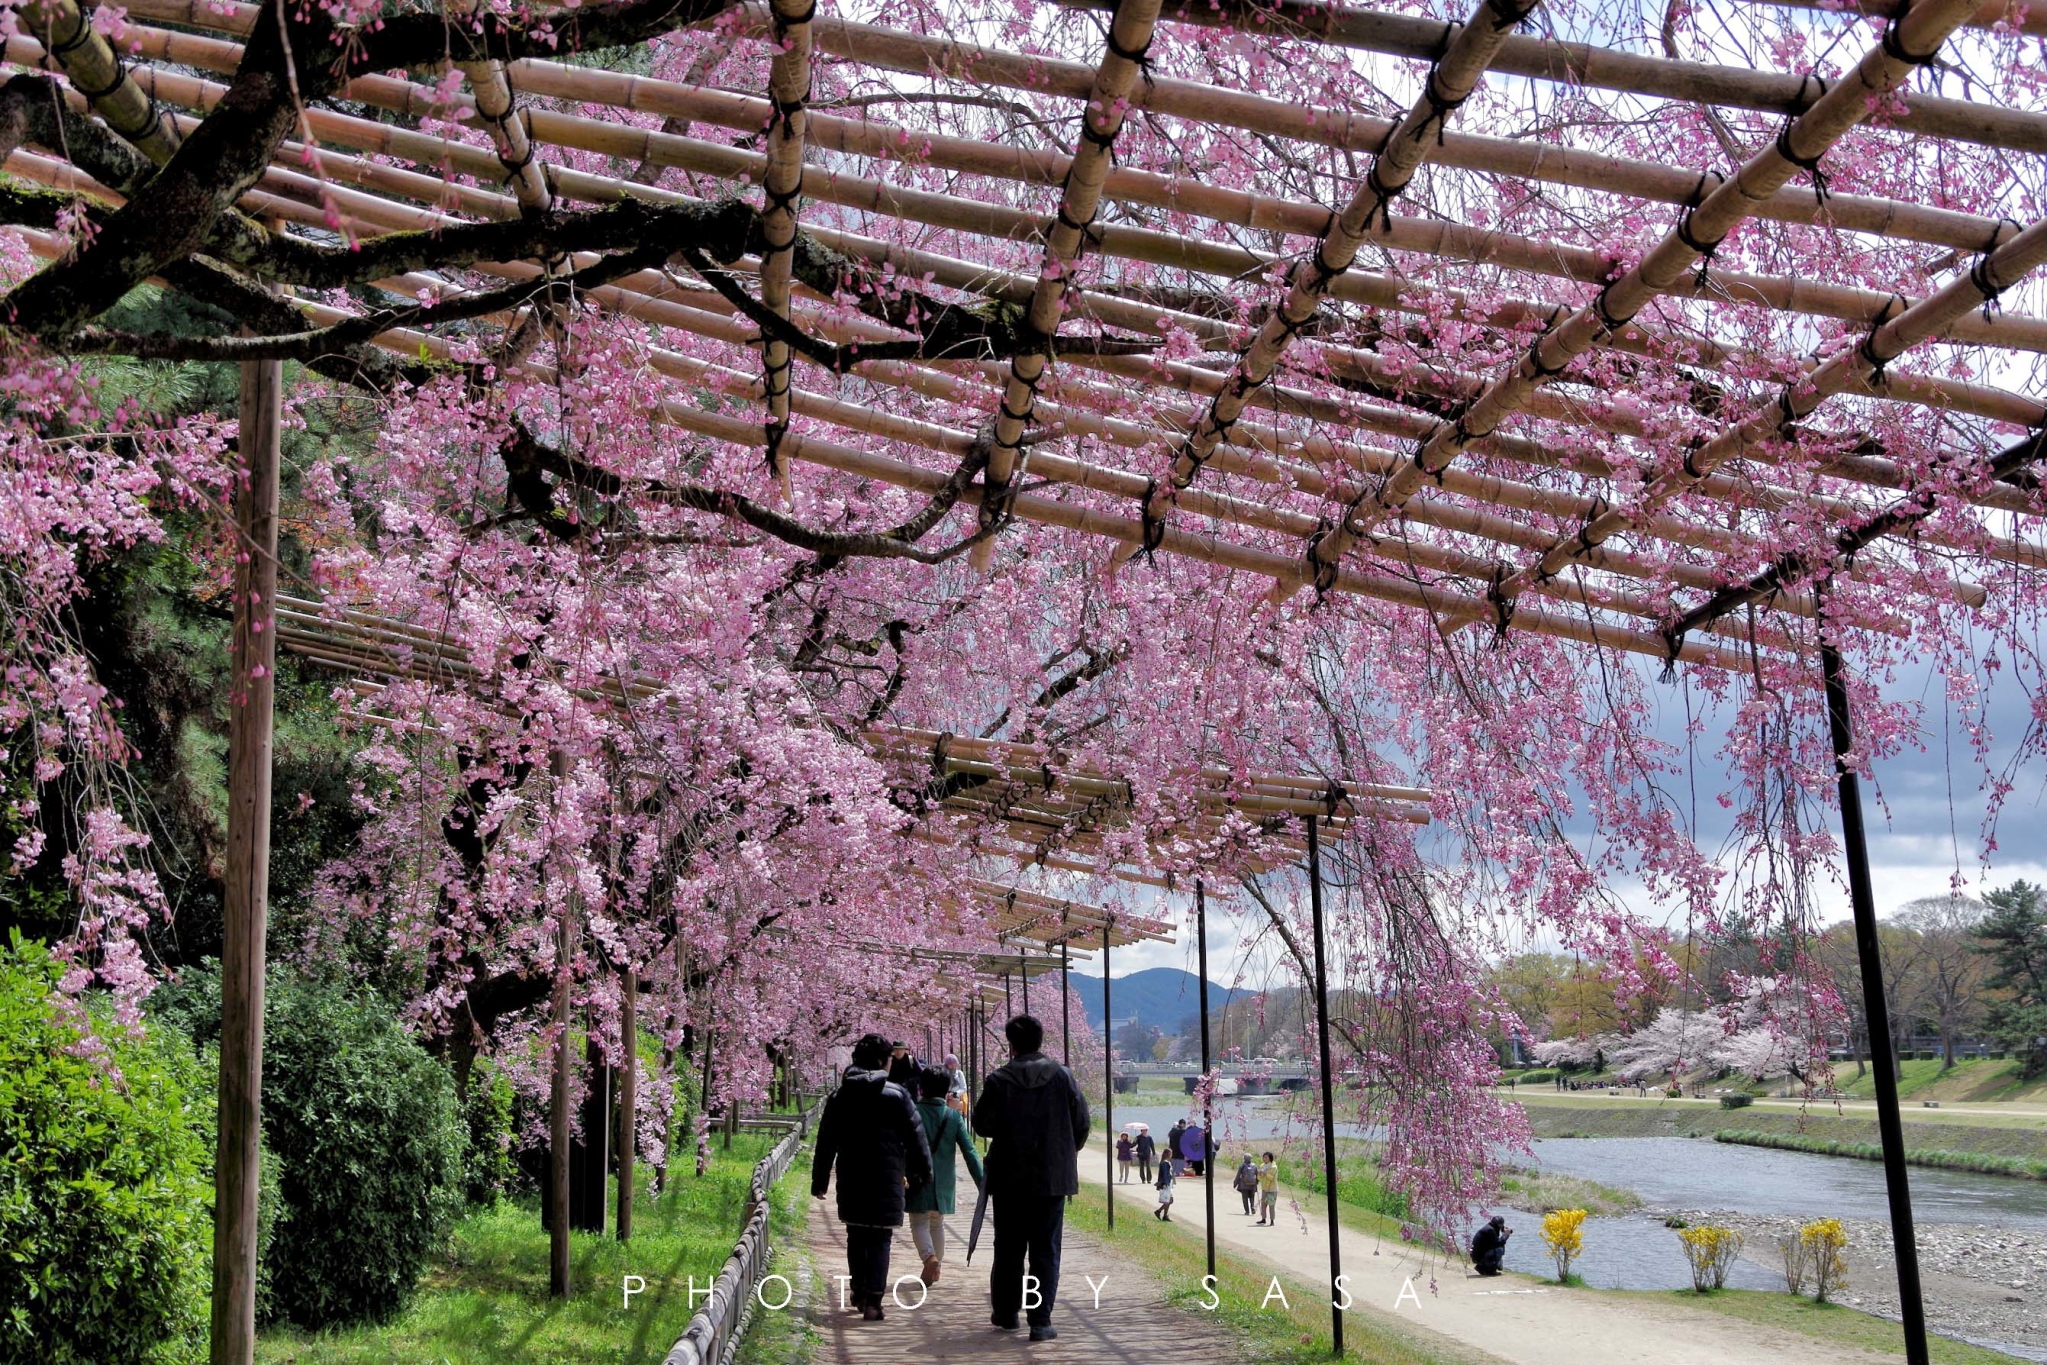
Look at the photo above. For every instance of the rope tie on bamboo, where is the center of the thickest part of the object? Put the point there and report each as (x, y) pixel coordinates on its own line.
(1867, 350)
(1787, 417)
(1152, 522)
(1704, 249)
(938, 753)
(1333, 797)
(1502, 605)
(1138, 57)
(1322, 574)
(1894, 48)
(1980, 277)
(1440, 106)
(787, 110)
(1809, 164)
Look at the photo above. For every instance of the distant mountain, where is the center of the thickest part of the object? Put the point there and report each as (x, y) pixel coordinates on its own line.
(1164, 997)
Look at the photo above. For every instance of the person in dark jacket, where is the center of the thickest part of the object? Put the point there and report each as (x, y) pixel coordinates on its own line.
(1146, 1148)
(1036, 1119)
(870, 1131)
(1489, 1246)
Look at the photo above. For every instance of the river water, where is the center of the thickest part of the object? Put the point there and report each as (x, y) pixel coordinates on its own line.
(1636, 1252)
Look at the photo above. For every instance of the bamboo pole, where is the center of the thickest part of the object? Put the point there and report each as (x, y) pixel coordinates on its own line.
(252, 685)
(65, 31)
(2003, 16)
(1329, 1185)
(1079, 202)
(1583, 64)
(1451, 80)
(628, 1096)
(782, 185)
(1343, 129)
(1847, 371)
(1916, 37)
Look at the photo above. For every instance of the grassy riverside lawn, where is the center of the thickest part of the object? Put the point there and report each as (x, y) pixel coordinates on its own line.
(2010, 1133)
(2017, 1167)
(1829, 1322)
(486, 1303)
(1298, 1335)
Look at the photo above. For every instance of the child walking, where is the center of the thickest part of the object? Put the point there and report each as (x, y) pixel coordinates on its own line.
(1164, 1212)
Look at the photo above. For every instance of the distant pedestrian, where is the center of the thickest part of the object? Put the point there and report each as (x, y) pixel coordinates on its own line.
(1036, 1118)
(1173, 1139)
(1125, 1153)
(1246, 1184)
(903, 1069)
(871, 1133)
(928, 1204)
(1168, 1170)
(956, 1084)
(1146, 1147)
(1268, 1191)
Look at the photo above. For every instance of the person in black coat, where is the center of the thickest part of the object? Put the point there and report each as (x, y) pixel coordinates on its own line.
(871, 1132)
(1146, 1148)
(1489, 1246)
(1036, 1119)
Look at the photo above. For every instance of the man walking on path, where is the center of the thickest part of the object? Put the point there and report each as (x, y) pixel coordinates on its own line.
(1036, 1119)
(871, 1132)
(1146, 1147)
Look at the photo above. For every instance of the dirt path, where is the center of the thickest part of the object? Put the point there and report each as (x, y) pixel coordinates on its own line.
(1132, 1325)
(1514, 1317)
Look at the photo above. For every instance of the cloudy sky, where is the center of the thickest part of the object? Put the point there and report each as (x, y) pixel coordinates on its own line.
(1925, 816)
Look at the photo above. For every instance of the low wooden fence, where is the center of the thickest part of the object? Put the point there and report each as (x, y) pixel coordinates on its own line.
(713, 1334)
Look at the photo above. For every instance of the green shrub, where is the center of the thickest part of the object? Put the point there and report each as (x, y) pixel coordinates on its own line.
(369, 1145)
(1536, 1077)
(1736, 1101)
(488, 1168)
(104, 1212)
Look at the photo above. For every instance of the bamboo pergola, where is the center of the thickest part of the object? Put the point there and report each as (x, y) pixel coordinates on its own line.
(1227, 375)
(1267, 477)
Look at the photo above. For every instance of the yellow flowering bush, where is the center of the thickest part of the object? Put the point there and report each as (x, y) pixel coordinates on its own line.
(1825, 1243)
(1563, 1232)
(1712, 1251)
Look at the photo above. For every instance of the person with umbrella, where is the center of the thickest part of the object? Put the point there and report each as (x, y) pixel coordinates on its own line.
(928, 1204)
(871, 1134)
(1032, 1111)
(1146, 1147)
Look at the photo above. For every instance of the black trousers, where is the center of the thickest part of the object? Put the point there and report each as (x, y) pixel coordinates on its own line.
(1250, 1200)
(1026, 1225)
(867, 1262)
(1144, 1169)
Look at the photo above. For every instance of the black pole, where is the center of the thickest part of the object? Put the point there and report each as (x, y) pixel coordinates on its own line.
(1023, 972)
(1869, 952)
(1008, 1000)
(1208, 1078)
(1108, 1081)
(1065, 1009)
(1328, 1083)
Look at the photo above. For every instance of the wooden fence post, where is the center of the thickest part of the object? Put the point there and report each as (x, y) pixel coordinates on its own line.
(251, 694)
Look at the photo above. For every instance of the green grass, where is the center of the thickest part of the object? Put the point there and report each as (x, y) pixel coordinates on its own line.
(487, 1302)
(2024, 1168)
(1821, 1321)
(2019, 1133)
(1299, 1335)
(1980, 1080)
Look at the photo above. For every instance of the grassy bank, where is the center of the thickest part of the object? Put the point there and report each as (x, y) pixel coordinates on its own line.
(1828, 1322)
(1297, 1335)
(1975, 1080)
(487, 1302)
(1584, 1116)
(2024, 1168)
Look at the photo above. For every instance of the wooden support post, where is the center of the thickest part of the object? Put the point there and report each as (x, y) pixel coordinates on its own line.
(1065, 1010)
(1207, 1075)
(1869, 951)
(590, 1159)
(1023, 973)
(1328, 1086)
(628, 1096)
(558, 1097)
(1108, 1079)
(252, 689)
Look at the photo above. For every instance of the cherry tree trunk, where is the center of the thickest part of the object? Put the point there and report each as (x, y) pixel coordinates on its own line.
(248, 869)
(628, 1096)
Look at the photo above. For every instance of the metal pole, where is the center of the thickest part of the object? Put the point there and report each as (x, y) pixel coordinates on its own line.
(251, 736)
(1328, 1084)
(1023, 972)
(1869, 952)
(1065, 1010)
(1108, 1083)
(1008, 1001)
(1208, 1077)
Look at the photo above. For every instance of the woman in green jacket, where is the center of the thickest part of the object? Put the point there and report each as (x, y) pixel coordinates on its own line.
(929, 1203)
